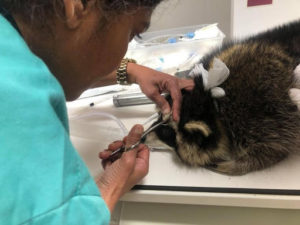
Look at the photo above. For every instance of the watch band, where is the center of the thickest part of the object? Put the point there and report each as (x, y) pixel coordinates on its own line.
(122, 76)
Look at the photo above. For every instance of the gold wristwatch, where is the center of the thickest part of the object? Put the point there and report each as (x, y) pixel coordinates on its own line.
(122, 75)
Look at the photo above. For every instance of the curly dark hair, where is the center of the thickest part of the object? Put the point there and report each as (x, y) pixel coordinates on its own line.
(40, 10)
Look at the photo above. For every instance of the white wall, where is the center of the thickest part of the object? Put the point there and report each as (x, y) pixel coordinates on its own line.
(176, 13)
(251, 20)
(234, 17)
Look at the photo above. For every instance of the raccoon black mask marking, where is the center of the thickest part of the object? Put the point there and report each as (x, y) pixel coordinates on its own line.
(257, 123)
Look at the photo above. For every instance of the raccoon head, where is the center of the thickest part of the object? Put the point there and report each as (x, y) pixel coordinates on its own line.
(197, 134)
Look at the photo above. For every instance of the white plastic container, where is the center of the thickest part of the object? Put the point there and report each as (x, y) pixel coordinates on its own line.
(175, 50)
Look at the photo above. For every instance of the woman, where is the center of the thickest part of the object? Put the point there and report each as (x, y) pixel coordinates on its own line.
(52, 50)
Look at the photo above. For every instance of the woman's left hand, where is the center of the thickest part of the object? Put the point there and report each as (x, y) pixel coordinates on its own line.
(122, 173)
(153, 83)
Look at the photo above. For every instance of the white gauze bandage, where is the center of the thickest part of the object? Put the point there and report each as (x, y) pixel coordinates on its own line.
(212, 78)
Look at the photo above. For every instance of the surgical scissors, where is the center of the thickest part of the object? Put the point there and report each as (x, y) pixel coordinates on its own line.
(145, 133)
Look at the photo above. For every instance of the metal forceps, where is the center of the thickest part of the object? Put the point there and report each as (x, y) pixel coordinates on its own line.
(146, 132)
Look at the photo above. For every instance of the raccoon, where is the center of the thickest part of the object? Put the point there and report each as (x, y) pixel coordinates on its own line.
(254, 121)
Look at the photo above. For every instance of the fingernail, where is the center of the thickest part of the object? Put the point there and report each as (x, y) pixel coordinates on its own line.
(166, 111)
(138, 130)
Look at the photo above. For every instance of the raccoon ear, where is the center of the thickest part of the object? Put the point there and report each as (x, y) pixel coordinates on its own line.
(198, 126)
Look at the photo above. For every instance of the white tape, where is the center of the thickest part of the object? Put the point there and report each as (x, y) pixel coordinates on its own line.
(212, 78)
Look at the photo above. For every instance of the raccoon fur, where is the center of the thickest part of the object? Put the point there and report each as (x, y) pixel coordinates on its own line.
(257, 123)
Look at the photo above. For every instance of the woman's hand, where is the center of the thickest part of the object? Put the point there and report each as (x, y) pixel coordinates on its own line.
(153, 83)
(121, 175)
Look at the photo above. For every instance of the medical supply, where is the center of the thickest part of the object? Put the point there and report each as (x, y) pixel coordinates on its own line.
(132, 99)
(175, 50)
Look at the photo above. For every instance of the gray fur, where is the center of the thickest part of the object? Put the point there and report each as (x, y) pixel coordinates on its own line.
(257, 123)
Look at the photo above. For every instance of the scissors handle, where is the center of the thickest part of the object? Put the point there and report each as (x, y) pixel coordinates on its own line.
(122, 149)
(150, 129)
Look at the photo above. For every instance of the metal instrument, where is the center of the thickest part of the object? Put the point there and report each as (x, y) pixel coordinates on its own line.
(145, 133)
(132, 99)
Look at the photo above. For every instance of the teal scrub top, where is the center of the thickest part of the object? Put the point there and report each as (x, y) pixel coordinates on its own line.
(42, 178)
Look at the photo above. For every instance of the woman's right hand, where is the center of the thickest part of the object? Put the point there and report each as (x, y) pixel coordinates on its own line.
(121, 175)
(153, 83)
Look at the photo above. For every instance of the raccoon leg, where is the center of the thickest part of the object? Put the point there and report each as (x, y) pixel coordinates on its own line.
(258, 159)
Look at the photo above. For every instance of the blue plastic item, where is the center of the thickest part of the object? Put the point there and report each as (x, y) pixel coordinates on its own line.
(172, 40)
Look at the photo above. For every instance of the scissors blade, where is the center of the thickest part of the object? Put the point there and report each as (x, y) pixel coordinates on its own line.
(145, 133)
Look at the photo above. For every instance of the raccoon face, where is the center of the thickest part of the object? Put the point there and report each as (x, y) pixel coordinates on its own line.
(196, 137)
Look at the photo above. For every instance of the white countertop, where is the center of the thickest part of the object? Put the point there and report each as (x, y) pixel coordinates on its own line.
(168, 179)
